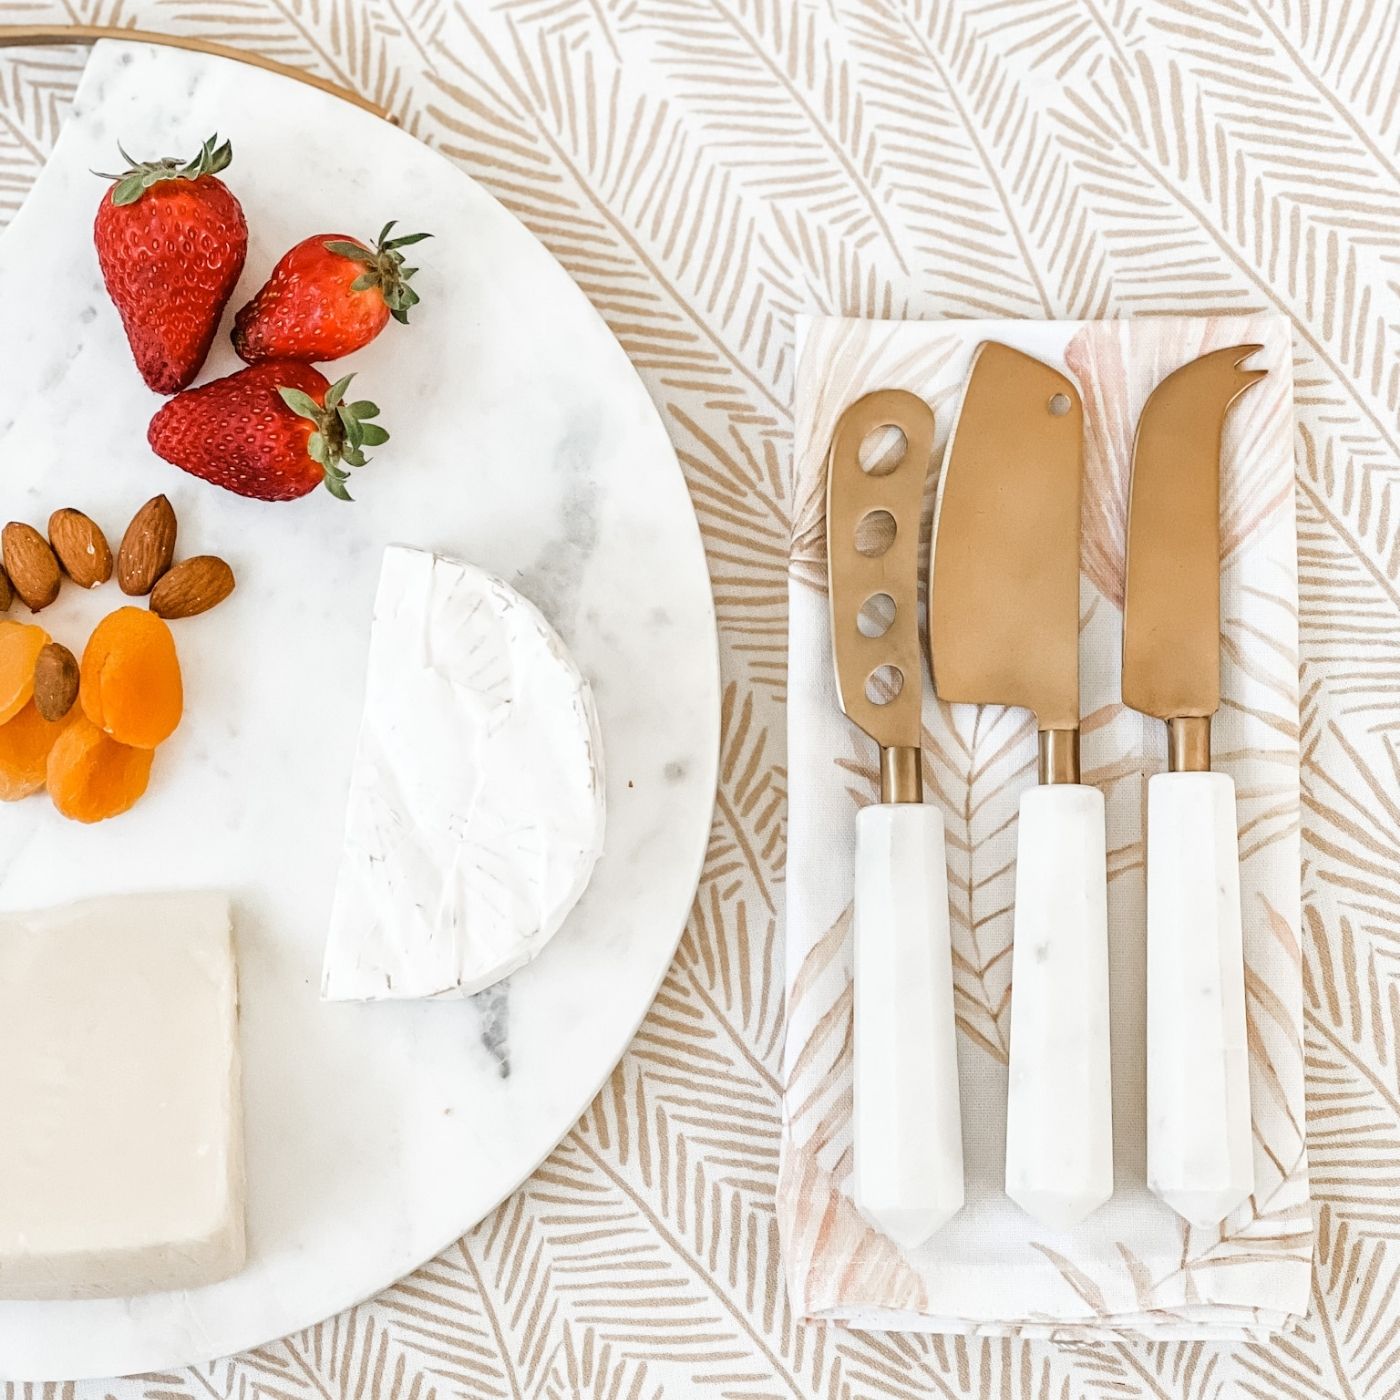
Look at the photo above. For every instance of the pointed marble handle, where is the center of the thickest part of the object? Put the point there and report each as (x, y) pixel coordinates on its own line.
(1059, 1108)
(1200, 1151)
(907, 1121)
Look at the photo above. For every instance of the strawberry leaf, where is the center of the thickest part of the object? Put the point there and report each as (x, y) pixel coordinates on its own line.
(301, 403)
(337, 391)
(340, 431)
(343, 249)
(335, 483)
(351, 429)
(383, 268)
(142, 175)
(128, 190)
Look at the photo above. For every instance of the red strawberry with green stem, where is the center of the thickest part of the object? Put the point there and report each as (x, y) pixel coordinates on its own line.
(328, 296)
(171, 240)
(274, 432)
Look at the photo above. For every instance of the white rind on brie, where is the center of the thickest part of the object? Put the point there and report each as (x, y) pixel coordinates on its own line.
(476, 807)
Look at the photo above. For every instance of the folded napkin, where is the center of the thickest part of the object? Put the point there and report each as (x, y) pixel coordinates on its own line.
(1134, 1267)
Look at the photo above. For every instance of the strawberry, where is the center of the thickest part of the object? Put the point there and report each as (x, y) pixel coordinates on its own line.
(274, 432)
(171, 239)
(328, 296)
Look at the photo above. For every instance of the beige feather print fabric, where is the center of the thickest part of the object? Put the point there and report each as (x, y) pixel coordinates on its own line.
(706, 170)
(1134, 1267)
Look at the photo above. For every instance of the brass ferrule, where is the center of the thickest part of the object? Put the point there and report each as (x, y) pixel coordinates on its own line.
(1188, 744)
(1059, 756)
(901, 775)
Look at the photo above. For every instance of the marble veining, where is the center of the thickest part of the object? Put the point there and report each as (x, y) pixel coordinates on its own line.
(522, 441)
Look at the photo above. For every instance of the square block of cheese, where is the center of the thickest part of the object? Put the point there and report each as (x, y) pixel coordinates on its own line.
(121, 1161)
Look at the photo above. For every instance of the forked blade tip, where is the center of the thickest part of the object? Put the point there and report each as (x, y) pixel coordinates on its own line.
(1244, 352)
(1233, 356)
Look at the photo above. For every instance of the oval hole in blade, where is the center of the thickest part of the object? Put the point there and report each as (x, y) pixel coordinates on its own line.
(1059, 405)
(883, 684)
(875, 532)
(876, 615)
(882, 449)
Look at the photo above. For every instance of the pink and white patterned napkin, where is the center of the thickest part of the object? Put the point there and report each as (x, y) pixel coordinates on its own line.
(1134, 1267)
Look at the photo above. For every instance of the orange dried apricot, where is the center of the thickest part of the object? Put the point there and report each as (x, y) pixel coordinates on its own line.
(130, 686)
(20, 645)
(91, 776)
(25, 742)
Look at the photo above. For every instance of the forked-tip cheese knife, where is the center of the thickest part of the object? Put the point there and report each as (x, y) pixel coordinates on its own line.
(1004, 629)
(1200, 1156)
(907, 1124)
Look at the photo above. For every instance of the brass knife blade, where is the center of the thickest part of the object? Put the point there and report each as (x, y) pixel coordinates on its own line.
(854, 578)
(1171, 590)
(1004, 596)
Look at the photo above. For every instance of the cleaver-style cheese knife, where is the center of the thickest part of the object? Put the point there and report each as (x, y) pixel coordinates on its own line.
(1200, 1153)
(1004, 630)
(906, 1120)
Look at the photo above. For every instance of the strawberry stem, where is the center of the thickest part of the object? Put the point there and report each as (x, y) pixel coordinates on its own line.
(342, 431)
(139, 176)
(384, 268)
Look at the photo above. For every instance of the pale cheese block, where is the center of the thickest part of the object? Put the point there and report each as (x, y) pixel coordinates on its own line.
(121, 1152)
(476, 806)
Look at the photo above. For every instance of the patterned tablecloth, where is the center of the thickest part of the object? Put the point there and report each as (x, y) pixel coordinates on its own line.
(707, 169)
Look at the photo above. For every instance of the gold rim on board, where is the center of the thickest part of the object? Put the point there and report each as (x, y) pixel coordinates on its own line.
(28, 34)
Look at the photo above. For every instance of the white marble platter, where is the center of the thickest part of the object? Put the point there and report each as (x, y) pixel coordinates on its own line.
(522, 441)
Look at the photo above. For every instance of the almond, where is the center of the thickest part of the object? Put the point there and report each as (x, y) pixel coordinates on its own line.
(193, 586)
(56, 677)
(81, 547)
(147, 547)
(31, 565)
(7, 592)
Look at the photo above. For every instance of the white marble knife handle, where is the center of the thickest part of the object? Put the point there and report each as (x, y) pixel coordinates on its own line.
(1200, 1151)
(907, 1120)
(1059, 1107)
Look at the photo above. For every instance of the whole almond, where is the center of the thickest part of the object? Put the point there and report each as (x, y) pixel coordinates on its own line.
(7, 592)
(192, 587)
(31, 564)
(55, 681)
(147, 547)
(81, 547)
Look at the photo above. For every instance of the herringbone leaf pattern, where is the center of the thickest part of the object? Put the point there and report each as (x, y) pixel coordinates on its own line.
(706, 169)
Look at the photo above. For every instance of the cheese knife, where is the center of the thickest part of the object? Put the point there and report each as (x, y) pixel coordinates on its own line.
(907, 1123)
(1200, 1155)
(1004, 629)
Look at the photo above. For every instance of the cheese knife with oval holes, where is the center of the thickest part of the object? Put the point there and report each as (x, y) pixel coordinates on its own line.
(1004, 630)
(907, 1124)
(1200, 1153)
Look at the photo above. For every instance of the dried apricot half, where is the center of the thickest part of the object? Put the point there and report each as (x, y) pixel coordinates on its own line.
(91, 776)
(130, 678)
(20, 645)
(25, 742)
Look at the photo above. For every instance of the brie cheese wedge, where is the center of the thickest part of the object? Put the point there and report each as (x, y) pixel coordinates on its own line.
(121, 1144)
(475, 813)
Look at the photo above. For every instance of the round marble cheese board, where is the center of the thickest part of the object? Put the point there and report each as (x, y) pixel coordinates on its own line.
(524, 442)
